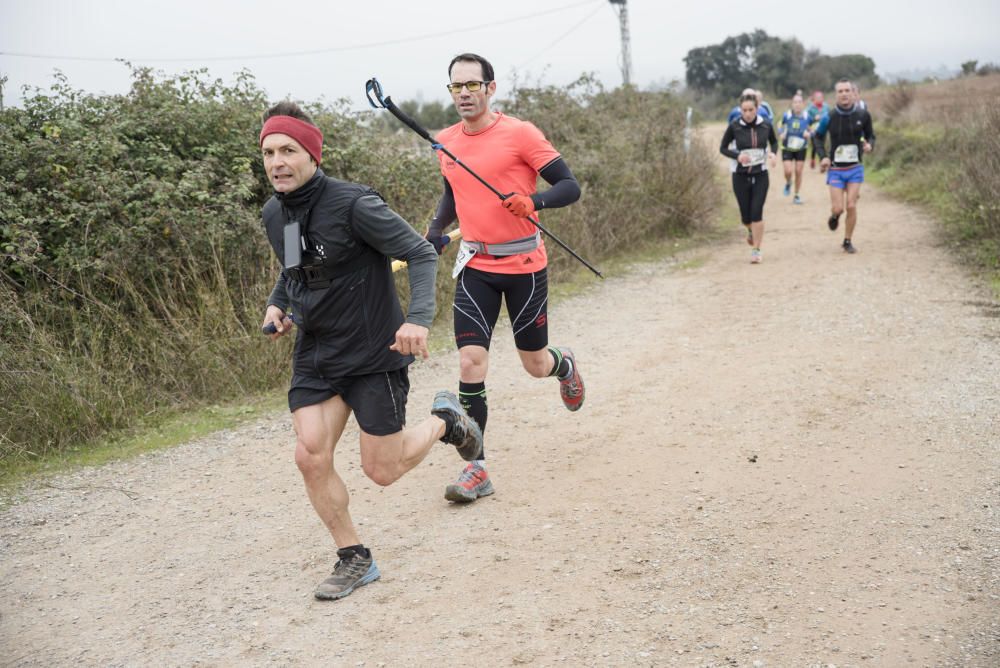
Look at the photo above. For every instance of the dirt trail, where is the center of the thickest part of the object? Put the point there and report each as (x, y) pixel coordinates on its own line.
(789, 464)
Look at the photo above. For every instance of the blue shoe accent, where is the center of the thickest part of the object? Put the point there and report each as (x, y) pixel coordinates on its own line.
(371, 575)
(345, 579)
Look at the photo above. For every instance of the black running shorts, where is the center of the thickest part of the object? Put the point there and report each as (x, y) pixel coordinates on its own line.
(377, 399)
(477, 307)
(796, 156)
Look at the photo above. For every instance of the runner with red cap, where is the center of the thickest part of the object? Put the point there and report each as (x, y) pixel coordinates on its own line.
(334, 240)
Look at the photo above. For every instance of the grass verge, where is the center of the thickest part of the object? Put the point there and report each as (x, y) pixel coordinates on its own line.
(165, 431)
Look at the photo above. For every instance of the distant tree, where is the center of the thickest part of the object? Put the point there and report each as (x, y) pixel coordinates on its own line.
(969, 67)
(823, 71)
(988, 68)
(726, 68)
(780, 66)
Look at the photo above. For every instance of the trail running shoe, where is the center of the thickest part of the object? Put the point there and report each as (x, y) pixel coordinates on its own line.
(796, 200)
(571, 388)
(755, 256)
(833, 222)
(473, 482)
(465, 434)
(352, 571)
(788, 190)
(849, 247)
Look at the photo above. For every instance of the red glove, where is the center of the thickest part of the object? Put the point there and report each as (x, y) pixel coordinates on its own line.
(519, 205)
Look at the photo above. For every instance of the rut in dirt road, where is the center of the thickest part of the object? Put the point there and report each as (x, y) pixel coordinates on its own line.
(791, 463)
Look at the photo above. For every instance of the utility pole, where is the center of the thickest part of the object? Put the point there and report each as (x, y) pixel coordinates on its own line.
(620, 7)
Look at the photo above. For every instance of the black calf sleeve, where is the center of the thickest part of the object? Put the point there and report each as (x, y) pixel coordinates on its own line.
(560, 365)
(472, 396)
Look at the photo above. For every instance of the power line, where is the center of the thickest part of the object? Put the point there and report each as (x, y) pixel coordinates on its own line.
(311, 52)
(562, 37)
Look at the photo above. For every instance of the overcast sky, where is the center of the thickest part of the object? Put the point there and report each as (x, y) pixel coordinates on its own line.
(408, 45)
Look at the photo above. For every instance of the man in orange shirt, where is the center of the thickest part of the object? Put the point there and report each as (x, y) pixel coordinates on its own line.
(502, 255)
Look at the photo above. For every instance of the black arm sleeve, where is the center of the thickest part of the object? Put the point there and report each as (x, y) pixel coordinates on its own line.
(564, 191)
(869, 130)
(279, 297)
(727, 139)
(772, 139)
(445, 214)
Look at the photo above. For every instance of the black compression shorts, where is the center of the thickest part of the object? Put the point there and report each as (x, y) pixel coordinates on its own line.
(377, 399)
(751, 192)
(477, 307)
(797, 156)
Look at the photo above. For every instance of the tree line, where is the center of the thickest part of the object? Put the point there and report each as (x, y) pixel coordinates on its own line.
(778, 66)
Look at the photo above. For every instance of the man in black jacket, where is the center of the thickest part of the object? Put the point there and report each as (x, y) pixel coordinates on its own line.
(353, 345)
(849, 126)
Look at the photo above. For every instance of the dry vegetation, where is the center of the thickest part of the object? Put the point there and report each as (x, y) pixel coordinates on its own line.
(950, 101)
(939, 145)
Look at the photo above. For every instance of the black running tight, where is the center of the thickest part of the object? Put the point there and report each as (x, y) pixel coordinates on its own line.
(751, 191)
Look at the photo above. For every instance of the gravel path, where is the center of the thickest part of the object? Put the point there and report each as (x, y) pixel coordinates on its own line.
(790, 464)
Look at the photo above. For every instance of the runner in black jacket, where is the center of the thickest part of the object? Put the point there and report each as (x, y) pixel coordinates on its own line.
(353, 345)
(746, 141)
(849, 127)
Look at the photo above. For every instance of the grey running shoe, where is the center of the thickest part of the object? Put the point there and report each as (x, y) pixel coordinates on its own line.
(797, 200)
(465, 435)
(352, 571)
(849, 247)
(833, 222)
(472, 483)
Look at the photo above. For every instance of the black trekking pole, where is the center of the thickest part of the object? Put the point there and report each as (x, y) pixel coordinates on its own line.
(373, 87)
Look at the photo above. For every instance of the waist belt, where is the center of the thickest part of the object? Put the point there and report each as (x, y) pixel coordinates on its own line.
(320, 275)
(515, 247)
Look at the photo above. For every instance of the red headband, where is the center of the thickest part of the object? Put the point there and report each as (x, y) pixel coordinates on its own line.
(304, 133)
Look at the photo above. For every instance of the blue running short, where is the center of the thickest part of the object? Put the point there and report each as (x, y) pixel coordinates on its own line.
(839, 178)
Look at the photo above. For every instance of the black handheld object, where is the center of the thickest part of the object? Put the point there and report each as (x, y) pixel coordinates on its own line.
(440, 243)
(374, 88)
(269, 328)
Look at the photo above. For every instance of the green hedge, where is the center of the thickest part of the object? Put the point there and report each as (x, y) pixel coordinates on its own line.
(133, 268)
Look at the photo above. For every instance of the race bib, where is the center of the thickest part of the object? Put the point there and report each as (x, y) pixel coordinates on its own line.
(465, 253)
(757, 156)
(846, 153)
(795, 143)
